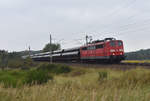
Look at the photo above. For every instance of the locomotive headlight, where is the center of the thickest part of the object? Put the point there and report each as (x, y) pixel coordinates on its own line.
(121, 50)
(113, 54)
(112, 50)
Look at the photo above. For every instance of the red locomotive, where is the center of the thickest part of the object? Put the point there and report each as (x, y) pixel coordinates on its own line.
(109, 49)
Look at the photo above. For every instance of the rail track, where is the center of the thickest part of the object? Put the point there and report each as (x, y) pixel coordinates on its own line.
(136, 64)
(122, 66)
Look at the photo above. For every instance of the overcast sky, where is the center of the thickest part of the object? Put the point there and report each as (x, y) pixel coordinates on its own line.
(28, 22)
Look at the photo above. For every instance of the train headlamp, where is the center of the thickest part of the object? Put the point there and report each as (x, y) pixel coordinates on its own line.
(112, 50)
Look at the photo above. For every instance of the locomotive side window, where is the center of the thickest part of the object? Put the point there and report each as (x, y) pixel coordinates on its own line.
(99, 46)
(112, 43)
(91, 48)
(120, 43)
(85, 48)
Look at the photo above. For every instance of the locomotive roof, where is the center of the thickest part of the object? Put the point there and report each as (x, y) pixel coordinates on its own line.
(106, 39)
(76, 48)
(96, 42)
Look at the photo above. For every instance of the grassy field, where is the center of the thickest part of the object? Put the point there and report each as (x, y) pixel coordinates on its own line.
(86, 84)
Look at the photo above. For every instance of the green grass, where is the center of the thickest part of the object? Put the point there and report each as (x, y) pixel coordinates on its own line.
(54, 68)
(37, 77)
(40, 75)
(12, 78)
(86, 84)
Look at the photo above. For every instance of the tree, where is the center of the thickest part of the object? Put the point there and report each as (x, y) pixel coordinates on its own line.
(3, 58)
(52, 47)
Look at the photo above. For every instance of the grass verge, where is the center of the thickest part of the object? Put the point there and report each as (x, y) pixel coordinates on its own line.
(93, 85)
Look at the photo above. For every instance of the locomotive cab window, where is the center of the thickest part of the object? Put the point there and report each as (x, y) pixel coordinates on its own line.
(120, 43)
(84, 48)
(112, 43)
(99, 46)
(91, 48)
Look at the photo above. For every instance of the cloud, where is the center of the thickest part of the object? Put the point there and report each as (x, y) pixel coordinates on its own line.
(28, 22)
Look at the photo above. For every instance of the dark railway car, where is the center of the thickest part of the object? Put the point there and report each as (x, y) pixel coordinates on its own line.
(60, 55)
(70, 54)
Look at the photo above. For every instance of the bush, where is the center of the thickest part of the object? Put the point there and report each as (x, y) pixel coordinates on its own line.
(12, 78)
(15, 64)
(62, 69)
(8, 81)
(37, 77)
(17, 78)
(56, 69)
(103, 75)
(28, 62)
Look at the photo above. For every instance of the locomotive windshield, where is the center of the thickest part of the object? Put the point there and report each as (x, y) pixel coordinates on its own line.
(112, 43)
(84, 48)
(120, 43)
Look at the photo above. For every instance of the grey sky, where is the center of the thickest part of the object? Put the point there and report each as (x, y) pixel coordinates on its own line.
(28, 22)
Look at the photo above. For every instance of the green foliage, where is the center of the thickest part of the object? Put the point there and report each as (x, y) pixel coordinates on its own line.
(40, 75)
(56, 69)
(129, 85)
(37, 77)
(8, 81)
(3, 58)
(138, 55)
(19, 78)
(12, 78)
(103, 75)
(52, 47)
(131, 78)
(28, 62)
(12, 59)
(15, 63)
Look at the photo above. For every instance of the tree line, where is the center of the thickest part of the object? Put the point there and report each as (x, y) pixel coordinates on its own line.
(14, 59)
(138, 55)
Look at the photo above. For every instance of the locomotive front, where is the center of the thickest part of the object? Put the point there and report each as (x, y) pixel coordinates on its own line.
(109, 50)
(115, 50)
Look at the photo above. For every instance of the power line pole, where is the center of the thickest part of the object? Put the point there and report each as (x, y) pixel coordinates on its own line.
(50, 49)
(86, 39)
(90, 38)
(29, 51)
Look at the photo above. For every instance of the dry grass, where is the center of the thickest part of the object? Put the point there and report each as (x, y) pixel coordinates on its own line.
(83, 87)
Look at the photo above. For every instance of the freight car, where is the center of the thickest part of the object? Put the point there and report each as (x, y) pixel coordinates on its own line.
(107, 50)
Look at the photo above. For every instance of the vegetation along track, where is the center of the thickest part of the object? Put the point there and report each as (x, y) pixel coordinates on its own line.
(122, 66)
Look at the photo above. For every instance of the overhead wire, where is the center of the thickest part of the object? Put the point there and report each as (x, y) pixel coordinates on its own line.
(131, 26)
(124, 29)
(127, 5)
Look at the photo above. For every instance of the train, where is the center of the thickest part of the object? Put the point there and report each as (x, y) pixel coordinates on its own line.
(107, 50)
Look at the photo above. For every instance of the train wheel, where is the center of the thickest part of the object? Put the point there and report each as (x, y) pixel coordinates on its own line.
(117, 61)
